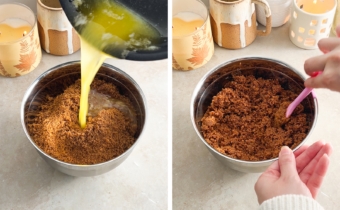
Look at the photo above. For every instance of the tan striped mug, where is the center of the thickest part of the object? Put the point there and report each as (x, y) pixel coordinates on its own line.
(57, 36)
(233, 22)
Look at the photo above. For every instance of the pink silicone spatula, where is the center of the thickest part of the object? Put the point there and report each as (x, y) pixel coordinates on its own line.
(300, 98)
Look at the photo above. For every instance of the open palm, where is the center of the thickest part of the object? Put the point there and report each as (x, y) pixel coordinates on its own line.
(300, 173)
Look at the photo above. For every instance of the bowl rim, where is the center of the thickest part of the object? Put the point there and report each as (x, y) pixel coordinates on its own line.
(218, 67)
(70, 165)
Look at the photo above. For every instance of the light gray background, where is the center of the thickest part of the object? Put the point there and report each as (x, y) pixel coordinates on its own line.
(31, 3)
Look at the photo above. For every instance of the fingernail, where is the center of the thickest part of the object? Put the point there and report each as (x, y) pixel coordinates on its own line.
(285, 150)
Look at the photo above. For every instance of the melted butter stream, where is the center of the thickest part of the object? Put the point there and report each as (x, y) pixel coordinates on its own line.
(91, 60)
(111, 28)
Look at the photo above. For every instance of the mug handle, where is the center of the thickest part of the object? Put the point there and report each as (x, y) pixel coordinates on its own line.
(265, 5)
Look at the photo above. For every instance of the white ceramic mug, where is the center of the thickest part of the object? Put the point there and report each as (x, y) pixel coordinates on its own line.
(57, 36)
(233, 22)
(280, 10)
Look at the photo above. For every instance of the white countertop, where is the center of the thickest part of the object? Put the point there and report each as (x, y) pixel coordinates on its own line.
(199, 180)
(28, 182)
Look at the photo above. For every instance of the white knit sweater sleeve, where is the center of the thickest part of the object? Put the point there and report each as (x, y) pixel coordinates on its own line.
(291, 202)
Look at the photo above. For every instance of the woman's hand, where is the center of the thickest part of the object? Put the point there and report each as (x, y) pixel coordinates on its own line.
(299, 174)
(329, 63)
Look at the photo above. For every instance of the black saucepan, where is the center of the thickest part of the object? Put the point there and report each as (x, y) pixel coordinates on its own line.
(154, 11)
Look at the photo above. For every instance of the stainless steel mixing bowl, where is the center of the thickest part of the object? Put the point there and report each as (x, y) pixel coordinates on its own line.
(60, 77)
(214, 81)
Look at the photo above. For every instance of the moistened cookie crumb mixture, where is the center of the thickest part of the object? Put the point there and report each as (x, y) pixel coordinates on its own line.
(246, 120)
(55, 129)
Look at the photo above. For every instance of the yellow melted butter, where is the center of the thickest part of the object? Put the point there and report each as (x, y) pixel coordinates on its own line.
(111, 27)
(91, 60)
